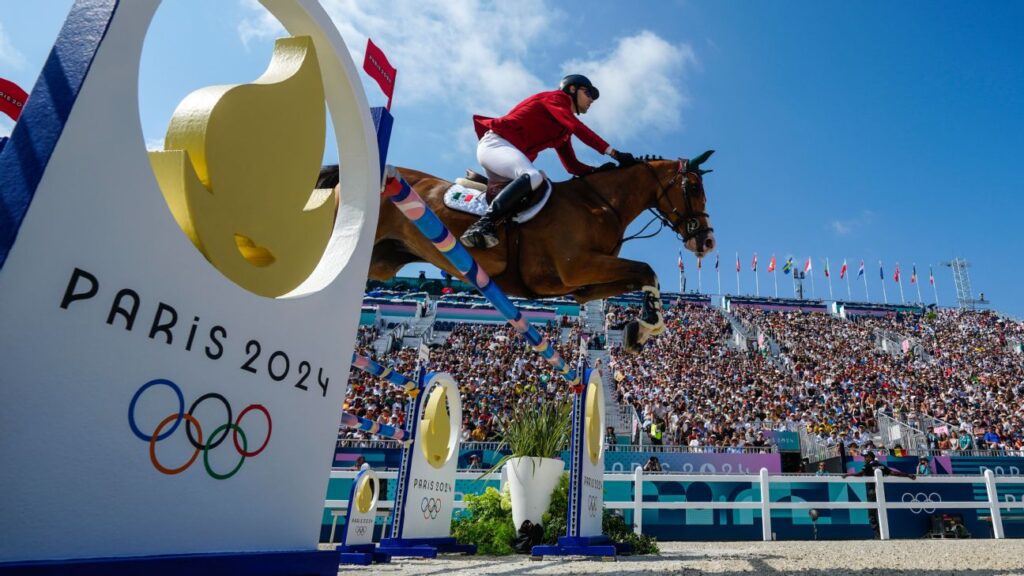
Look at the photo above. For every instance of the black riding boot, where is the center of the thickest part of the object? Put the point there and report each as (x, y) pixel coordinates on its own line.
(483, 234)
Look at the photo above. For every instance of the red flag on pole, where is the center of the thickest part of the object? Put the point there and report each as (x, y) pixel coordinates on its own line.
(771, 264)
(12, 98)
(378, 67)
(842, 271)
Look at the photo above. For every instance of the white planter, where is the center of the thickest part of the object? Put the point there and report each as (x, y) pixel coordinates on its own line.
(531, 481)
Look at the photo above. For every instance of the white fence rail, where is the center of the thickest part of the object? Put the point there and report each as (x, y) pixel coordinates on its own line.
(764, 479)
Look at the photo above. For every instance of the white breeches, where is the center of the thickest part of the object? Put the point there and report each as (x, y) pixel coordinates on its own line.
(501, 158)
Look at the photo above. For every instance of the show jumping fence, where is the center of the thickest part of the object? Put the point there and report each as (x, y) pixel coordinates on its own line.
(763, 480)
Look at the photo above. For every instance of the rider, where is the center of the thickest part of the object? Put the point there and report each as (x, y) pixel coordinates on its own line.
(509, 145)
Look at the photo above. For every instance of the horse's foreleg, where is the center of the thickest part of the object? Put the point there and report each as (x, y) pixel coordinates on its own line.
(601, 276)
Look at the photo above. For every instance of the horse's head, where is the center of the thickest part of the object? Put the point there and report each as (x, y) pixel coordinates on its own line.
(681, 202)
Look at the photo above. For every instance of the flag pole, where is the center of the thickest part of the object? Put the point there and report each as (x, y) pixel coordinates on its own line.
(813, 292)
(849, 295)
(775, 278)
(881, 275)
(917, 282)
(829, 270)
(699, 288)
(757, 281)
(864, 276)
(899, 280)
(718, 272)
(737, 273)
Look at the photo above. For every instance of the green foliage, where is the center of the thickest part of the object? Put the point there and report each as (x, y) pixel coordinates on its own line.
(541, 431)
(554, 520)
(614, 526)
(489, 523)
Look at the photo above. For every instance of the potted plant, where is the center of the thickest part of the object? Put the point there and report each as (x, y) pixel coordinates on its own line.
(535, 435)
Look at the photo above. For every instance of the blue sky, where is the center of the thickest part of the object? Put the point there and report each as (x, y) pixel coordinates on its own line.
(888, 131)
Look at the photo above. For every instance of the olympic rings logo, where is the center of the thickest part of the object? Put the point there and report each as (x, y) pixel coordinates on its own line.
(360, 530)
(592, 505)
(430, 507)
(196, 440)
(923, 499)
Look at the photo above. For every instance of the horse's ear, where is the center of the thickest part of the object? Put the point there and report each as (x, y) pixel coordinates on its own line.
(696, 162)
(703, 172)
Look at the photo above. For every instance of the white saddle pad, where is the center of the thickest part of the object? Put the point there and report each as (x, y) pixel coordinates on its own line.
(472, 201)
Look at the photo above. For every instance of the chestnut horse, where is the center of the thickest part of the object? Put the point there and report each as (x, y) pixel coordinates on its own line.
(571, 247)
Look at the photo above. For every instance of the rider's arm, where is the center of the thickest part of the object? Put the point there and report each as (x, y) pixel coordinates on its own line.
(555, 105)
(568, 157)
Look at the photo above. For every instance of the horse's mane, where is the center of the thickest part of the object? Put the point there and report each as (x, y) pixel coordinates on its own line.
(612, 167)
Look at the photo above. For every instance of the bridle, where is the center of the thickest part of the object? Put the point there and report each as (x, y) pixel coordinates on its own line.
(686, 224)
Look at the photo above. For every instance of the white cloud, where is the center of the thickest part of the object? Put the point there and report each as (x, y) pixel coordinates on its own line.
(10, 57)
(475, 56)
(469, 54)
(848, 226)
(641, 83)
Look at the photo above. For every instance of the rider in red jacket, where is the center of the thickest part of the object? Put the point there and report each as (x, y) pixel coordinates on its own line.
(509, 145)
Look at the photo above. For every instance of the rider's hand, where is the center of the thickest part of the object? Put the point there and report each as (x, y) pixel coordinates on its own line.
(623, 158)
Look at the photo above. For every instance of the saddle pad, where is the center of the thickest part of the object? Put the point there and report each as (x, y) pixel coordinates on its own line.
(474, 202)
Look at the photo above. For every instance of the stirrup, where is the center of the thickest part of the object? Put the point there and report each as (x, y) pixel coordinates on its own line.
(478, 236)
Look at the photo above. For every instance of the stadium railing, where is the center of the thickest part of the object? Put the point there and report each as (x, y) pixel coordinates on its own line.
(764, 479)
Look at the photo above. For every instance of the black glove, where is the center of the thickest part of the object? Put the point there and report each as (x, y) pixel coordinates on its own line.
(624, 158)
(606, 166)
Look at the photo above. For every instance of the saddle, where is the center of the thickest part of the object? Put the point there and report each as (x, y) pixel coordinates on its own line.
(491, 188)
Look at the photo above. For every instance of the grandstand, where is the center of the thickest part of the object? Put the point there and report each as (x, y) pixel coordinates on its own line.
(729, 374)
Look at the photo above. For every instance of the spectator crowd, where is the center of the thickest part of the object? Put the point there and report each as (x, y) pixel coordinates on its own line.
(725, 380)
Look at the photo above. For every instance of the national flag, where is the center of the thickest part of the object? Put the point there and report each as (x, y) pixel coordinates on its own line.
(881, 272)
(808, 266)
(788, 265)
(771, 264)
(896, 274)
(826, 268)
(698, 262)
(680, 261)
(842, 271)
(12, 98)
(737, 261)
(753, 265)
(716, 260)
(931, 276)
(913, 274)
(378, 67)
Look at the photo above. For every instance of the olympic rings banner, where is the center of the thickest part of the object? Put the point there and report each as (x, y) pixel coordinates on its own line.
(173, 361)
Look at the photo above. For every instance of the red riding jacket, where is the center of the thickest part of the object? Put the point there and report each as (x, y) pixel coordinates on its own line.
(544, 121)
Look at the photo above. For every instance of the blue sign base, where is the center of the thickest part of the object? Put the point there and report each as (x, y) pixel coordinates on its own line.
(424, 547)
(363, 554)
(600, 546)
(291, 563)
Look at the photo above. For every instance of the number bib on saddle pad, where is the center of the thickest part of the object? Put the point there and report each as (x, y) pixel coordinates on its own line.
(472, 201)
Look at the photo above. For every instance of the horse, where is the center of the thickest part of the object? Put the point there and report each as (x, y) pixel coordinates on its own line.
(571, 247)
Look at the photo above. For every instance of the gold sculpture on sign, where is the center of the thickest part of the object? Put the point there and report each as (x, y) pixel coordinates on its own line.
(239, 166)
(593, 421)
(435, 439)
(364, 494)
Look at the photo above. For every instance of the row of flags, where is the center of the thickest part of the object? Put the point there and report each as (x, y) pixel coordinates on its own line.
(808, 266)
(791, 267)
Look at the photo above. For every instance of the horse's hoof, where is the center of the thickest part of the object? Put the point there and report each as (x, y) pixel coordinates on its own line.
(490, 240)
(631, 337)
